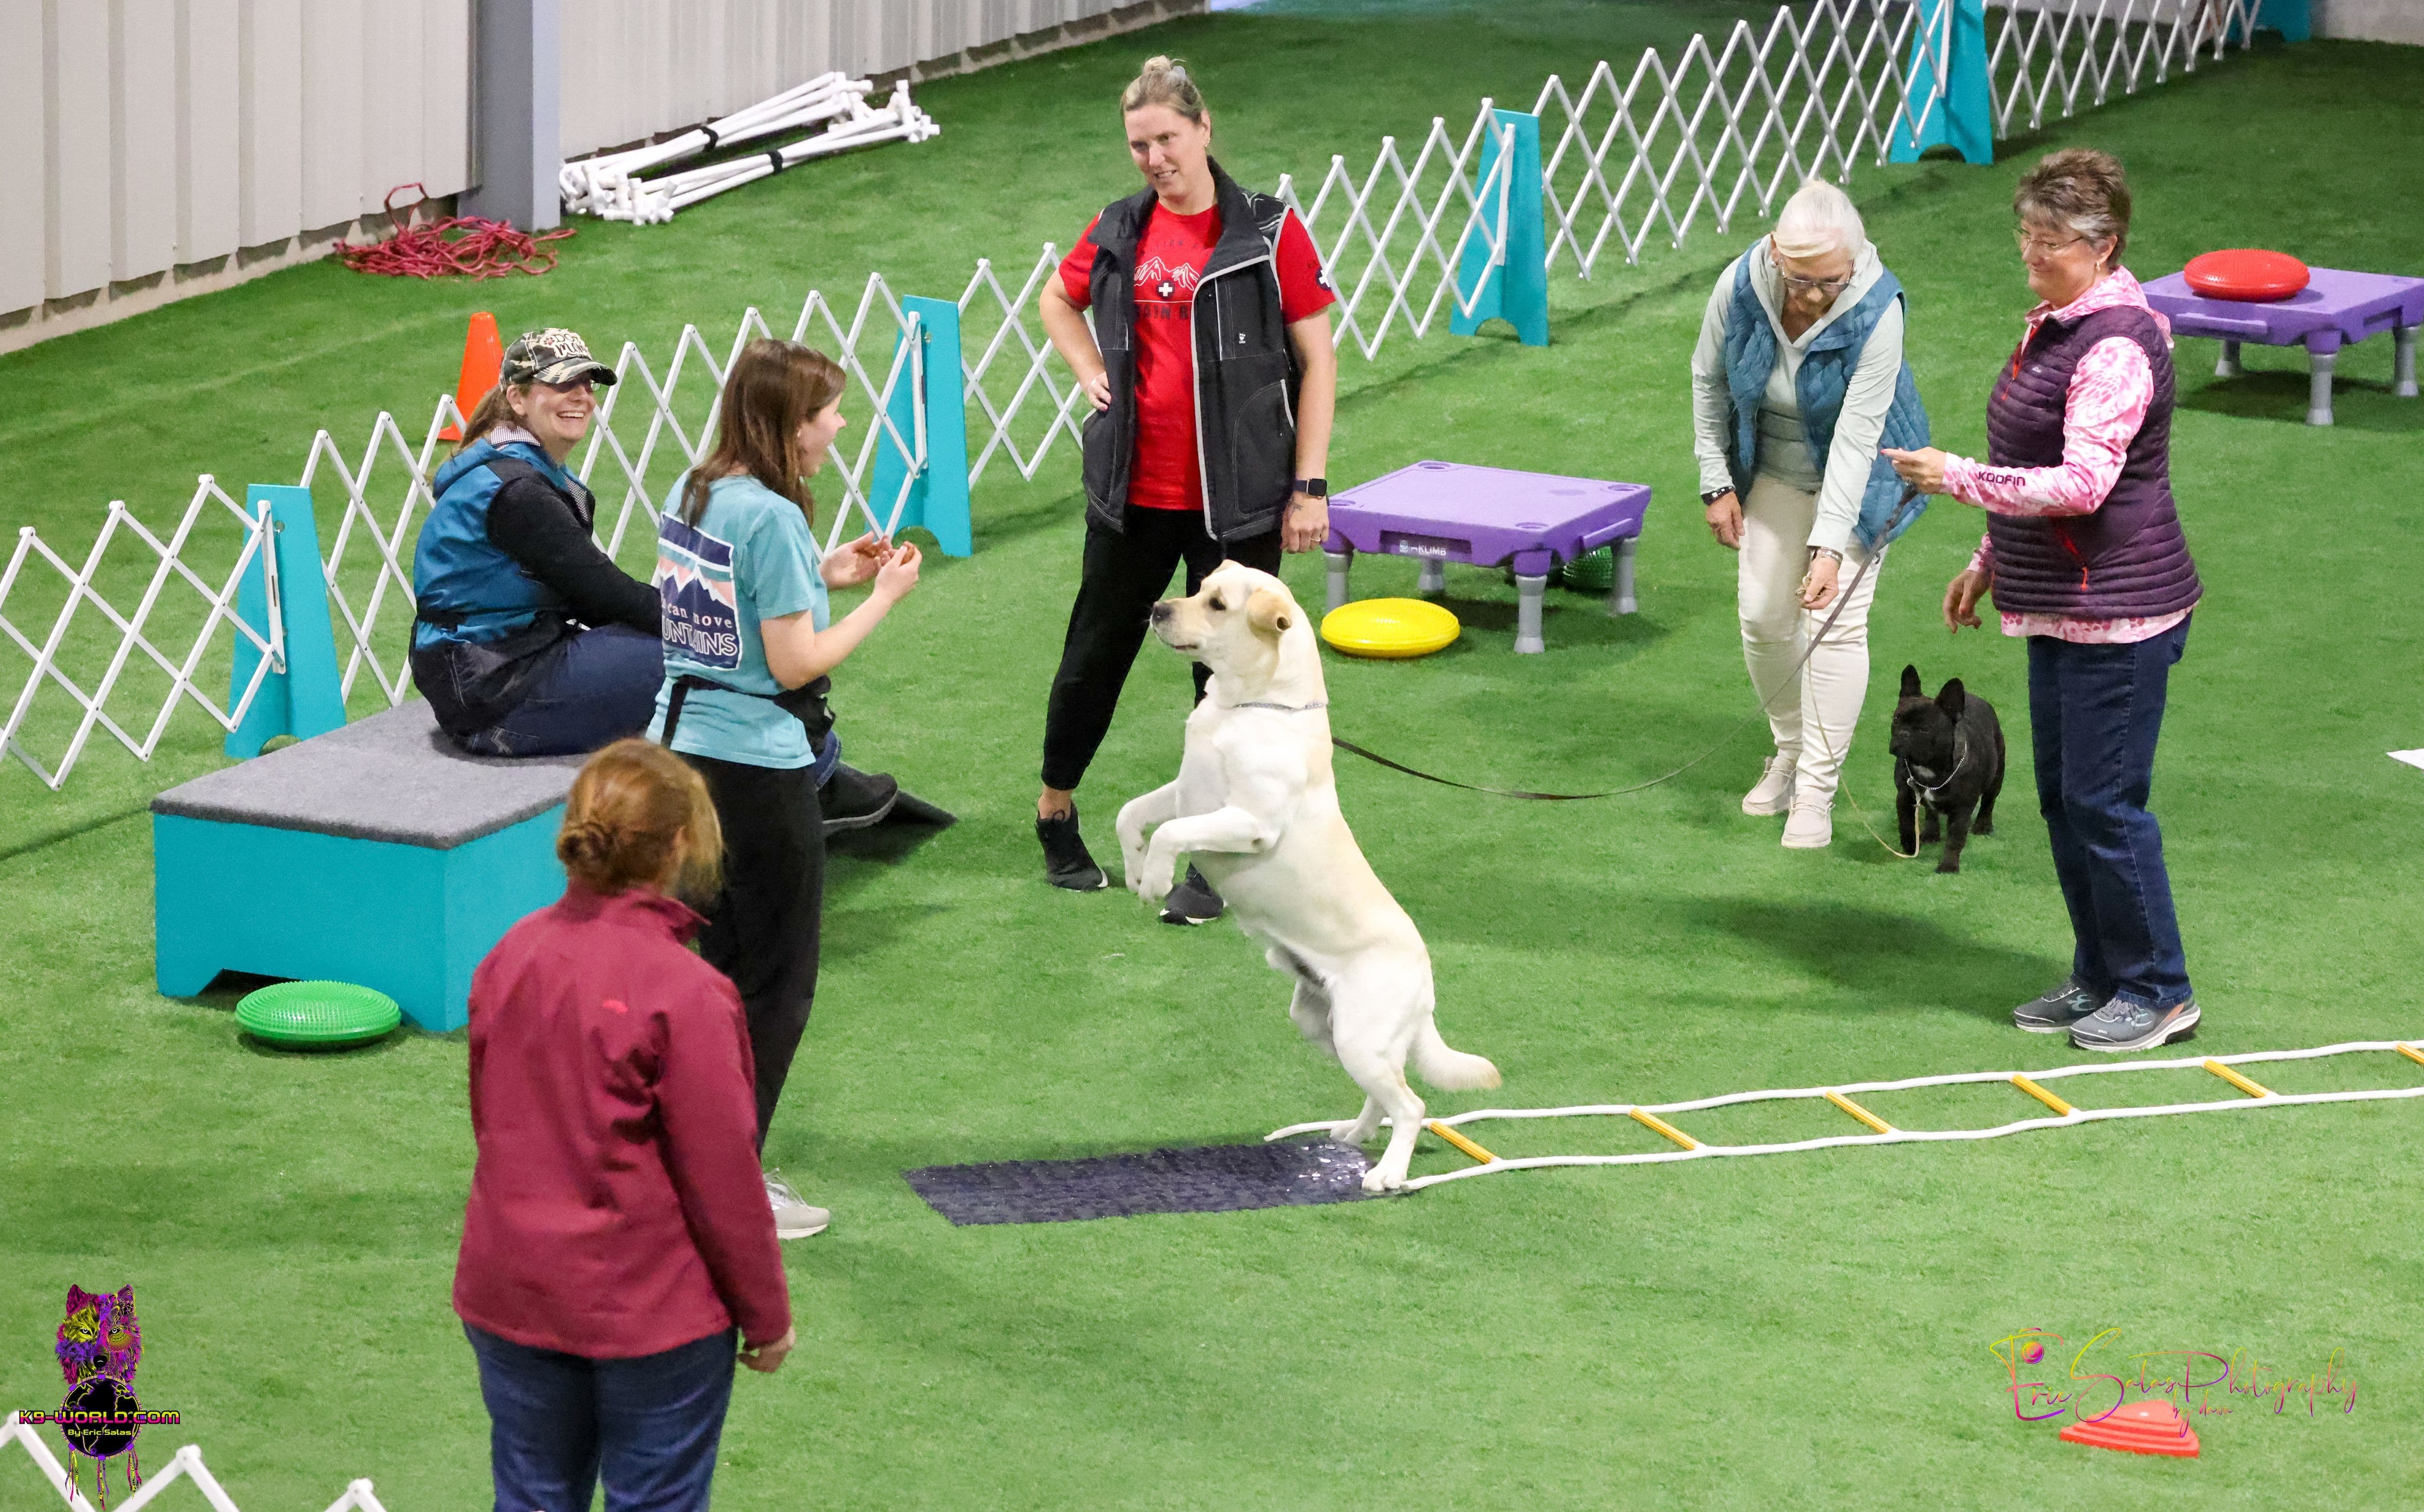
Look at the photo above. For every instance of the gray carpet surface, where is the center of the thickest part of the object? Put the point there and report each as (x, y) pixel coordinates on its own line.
(391, 777)
(1220, 1178)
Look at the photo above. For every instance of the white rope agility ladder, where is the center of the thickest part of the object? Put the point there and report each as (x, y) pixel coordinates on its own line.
(2031, 1082)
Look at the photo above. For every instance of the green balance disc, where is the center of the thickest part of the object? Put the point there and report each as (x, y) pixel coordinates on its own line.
(316, 1015)
(1593, 572)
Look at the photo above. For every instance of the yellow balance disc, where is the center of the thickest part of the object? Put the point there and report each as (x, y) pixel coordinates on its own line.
(1389, 628)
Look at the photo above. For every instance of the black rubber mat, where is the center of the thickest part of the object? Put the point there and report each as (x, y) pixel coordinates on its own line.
(1220, 1178)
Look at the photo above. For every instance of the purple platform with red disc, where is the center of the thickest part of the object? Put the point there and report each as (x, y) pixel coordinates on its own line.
(2336, 308)
(1445, 512)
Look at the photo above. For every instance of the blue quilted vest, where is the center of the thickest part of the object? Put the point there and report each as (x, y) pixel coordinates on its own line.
(465, 588)
(1825, 376)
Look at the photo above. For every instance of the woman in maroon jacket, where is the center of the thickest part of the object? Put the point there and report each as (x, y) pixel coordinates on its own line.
(2086, 561)
(617, 1237)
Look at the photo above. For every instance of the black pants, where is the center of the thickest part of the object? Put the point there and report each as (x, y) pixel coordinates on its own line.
(1124, 572)
(761, 928)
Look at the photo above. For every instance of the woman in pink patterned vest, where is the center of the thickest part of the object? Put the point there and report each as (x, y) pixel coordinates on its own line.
(2085, 559)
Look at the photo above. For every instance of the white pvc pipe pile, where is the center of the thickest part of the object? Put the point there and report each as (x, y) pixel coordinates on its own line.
(610, 185)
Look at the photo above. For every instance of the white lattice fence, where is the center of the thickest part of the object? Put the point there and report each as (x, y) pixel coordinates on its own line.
(1401, 229)
(1743, 122)
(185, 1465)
(2054, 59)
(85, 652)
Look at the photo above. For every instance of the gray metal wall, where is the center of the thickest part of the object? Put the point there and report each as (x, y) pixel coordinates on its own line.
(163, 148)
(636, 68)
(147, 136)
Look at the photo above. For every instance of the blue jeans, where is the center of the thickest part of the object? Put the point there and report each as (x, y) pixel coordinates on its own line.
(650, 1425)
(2093, 714)
(601, 687)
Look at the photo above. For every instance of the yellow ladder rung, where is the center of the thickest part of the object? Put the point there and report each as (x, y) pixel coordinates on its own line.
(1460, 1143)
(2049, 1099)
(2236, 1079)
(1861, 1113)
(2412, 1053)
(1653, 1120)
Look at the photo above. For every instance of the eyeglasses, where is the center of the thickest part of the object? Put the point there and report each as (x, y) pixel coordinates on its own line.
(2031, 243)
(1815, 285)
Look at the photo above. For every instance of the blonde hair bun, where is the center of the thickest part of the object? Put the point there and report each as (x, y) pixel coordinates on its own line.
(1164, 81)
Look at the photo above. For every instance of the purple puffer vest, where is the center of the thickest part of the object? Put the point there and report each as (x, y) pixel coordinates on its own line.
(2128, 559)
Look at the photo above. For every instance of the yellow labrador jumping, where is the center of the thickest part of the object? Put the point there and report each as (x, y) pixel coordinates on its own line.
(1255, 807)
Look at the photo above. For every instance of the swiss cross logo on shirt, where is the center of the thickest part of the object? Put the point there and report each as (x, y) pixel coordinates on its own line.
(1159, 279)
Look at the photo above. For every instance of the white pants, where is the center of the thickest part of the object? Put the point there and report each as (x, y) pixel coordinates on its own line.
(1813, 723)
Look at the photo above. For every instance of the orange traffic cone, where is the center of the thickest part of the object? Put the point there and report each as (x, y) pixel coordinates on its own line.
(2141, 1429)
(484, 362)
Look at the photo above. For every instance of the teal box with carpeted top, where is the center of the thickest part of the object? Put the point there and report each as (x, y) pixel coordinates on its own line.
(376, 854)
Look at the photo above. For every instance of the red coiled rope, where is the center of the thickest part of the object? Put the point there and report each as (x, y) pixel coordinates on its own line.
(458, 246)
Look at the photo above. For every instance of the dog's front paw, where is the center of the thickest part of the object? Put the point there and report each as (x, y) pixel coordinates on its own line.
(1381, 1180)
(1352, 1130)
(1947, 864)
(1152, 875)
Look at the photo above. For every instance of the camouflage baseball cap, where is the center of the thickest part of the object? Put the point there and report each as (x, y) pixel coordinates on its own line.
(553, 356)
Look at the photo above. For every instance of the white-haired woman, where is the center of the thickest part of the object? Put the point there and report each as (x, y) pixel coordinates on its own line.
(1797, 380)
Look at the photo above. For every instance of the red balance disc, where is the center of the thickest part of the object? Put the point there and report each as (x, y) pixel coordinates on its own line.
(2246, 274)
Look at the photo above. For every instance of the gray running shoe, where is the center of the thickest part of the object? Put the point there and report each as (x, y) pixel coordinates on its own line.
(2120, 1027)
(1193, 901)
(2057, 1011)
(794, 1218)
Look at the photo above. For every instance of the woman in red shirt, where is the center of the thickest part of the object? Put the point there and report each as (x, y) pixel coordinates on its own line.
(1213, 379)
(617, 1237)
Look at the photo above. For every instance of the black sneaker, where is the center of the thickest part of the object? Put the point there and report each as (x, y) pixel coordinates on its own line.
(1066, 861)
(855, 799)
(2057, 1011)
(1193, 901)
(2120, 1027)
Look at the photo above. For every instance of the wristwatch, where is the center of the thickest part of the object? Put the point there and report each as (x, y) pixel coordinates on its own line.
(1714, 495)
(1314, 487)
(1826, 552)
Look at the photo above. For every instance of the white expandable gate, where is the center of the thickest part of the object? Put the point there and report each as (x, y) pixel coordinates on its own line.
(607, 186)
(185, 1465)
(1659, 151)
(1654, 1115)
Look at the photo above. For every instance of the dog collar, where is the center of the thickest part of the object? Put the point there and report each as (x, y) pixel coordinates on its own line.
(1284, 709)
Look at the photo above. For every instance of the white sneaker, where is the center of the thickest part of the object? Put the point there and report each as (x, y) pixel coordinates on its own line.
(1811, 828)
(1774, 793)
(793, 1217)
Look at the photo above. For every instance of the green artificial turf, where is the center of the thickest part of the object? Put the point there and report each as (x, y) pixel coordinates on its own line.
(1801, 1330)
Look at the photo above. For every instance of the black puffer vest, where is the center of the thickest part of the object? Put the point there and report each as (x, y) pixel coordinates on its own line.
(2127, 559)
(1246, 374)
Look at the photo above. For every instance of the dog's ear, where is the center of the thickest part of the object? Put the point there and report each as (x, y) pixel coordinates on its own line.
(1268, 612)
(1953, 698)
(1910, 682)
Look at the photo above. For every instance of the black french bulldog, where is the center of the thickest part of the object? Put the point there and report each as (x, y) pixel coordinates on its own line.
(1948, 755)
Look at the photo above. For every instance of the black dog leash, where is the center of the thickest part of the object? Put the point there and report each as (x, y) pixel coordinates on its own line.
(1911, 495)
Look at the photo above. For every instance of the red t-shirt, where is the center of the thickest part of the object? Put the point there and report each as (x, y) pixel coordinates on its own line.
(1170, 262)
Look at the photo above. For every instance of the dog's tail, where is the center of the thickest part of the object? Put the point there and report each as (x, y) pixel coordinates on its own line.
(1450, 1071)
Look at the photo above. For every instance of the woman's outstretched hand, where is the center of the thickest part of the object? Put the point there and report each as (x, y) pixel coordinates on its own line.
(899, 573)
(854, 564)
(1961, 598)
(1922, 469)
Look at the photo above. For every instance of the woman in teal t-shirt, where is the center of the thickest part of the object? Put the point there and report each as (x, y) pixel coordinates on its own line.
(748, 642)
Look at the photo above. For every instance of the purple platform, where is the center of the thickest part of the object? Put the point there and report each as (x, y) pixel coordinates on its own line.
(2335, 309)
(1450, 512)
